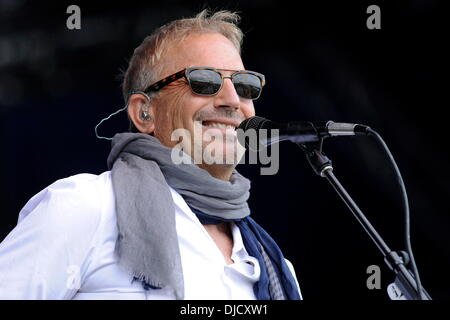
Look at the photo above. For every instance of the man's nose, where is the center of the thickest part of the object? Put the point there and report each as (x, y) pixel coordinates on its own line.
(227, 96)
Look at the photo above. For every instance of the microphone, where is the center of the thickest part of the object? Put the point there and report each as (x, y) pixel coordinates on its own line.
(297, 131)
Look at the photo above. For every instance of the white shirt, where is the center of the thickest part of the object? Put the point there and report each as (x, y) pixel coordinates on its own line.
(63, 248)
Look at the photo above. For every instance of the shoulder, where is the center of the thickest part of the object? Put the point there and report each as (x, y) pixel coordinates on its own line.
(58, 233)
(291, 268)
(82, 198)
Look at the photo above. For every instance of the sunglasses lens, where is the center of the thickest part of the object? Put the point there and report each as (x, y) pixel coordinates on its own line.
(247, 85)
(205, 82)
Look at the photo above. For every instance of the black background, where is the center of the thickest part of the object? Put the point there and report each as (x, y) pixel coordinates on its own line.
(321, 63)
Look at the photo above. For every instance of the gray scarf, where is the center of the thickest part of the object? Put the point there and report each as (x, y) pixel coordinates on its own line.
(142, 169)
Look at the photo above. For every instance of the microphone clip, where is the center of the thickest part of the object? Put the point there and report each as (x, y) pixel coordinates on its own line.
(316, 158)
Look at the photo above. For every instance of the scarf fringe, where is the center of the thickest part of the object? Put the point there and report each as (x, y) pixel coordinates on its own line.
(141, 276)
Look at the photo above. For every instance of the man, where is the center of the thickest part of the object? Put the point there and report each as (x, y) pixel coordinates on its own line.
(152, 228)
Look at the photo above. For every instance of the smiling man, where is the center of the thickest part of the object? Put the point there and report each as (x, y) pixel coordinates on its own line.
(179, 106)
(151, 228)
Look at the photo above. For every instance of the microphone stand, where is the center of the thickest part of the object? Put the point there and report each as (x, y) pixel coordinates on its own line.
(404, 286)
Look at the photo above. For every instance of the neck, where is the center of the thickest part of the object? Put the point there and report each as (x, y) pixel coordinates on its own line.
(221, 172)
(222, 236)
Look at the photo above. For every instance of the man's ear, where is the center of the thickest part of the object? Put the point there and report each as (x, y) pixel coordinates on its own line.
(141, 112)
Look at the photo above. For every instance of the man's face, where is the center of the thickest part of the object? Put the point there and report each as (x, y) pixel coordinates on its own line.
(177, 107)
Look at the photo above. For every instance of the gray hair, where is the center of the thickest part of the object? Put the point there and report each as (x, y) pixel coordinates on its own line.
(145, 64)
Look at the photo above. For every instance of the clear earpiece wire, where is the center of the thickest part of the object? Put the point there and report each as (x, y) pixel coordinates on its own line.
(107, 118)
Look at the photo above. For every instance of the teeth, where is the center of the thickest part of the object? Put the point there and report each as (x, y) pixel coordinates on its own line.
(219, 125)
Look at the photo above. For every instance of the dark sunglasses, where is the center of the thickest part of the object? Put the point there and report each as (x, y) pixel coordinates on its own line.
(207, 81)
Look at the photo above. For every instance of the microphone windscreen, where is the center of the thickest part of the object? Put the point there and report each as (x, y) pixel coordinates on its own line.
(252, 123)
